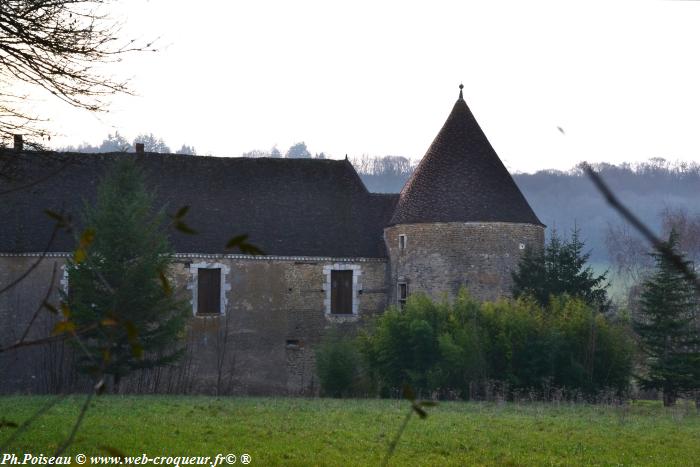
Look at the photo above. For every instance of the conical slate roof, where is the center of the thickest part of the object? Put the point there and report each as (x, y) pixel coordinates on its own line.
(461, 179)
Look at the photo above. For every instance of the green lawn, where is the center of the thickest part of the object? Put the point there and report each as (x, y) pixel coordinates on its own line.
(357, 432)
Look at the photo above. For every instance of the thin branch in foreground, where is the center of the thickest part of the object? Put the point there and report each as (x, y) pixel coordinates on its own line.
(53, 338)
(27, 423)
(418, 407)
(34, 265)
(42, 304)
(395, 441)
(76, 425)
(675, 259)
(43, 340)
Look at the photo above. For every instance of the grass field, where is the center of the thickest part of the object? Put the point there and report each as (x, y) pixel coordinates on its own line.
(357, 432)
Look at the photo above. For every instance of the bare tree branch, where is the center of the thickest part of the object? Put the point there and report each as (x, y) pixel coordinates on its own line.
(42, 304)
(28, 422)
(646, 232)
(34, 265)
(76, 425)
(57, 45)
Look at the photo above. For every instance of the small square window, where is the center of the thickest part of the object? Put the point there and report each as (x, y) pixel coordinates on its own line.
(402, 294)
(293, 344)
(402, 242)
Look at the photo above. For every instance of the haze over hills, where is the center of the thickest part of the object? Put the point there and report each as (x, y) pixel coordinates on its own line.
(564, 200)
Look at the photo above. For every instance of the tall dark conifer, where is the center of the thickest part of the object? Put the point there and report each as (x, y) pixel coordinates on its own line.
(560, 269)
(667, 327)
(118, 288)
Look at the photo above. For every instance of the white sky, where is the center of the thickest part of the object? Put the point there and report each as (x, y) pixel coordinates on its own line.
(380, 78)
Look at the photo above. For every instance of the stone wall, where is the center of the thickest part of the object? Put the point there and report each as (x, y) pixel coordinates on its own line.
(45, 368)
(440, 258)
(263, 343)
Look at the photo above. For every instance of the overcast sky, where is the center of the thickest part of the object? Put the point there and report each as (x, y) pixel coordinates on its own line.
(366, 77)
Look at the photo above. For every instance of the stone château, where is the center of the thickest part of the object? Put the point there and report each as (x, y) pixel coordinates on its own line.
(336, 254)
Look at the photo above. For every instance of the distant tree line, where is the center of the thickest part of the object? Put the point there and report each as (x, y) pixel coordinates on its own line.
(565, 200)
(296, 151)
(116, 142)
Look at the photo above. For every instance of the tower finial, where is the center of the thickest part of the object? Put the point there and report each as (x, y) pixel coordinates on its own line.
(461, 86)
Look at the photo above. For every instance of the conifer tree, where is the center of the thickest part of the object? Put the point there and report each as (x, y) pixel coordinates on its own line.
(560, 269)
(118, 287)
(667, 327)
(531, 277)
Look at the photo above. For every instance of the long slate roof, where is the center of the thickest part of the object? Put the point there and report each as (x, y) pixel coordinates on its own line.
(288, 207)
(461, 179)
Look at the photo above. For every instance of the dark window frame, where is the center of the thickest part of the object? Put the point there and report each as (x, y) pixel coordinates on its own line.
(209, 291)
(402, 294)
(342, 293)
(403, 241)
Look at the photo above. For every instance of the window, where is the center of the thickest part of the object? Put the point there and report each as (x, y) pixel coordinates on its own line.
(402, 294)
(402, 242)
(209, 291)
(293, 344)
(341, 292)
(342, 287)
(209, 287)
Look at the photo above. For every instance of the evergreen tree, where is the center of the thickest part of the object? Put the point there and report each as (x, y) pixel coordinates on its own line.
(118, 289)
(531, 277)
(667, 327)
(560, 269)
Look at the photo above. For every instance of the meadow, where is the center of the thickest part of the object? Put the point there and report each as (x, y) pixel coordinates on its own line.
(304, 432)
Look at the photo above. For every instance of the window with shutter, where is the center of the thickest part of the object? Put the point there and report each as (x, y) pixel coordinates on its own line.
(209, 291)
(341, 292)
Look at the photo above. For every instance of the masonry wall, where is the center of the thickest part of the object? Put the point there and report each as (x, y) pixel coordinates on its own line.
(32, 369)
(440, 258)
(275, 313)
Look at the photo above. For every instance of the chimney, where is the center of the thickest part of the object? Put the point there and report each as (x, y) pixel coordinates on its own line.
(19, 143)
(139, 148)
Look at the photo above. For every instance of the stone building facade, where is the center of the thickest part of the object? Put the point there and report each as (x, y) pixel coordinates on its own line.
(337, 255)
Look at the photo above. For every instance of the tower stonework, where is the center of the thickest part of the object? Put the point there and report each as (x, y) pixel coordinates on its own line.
(460, 220)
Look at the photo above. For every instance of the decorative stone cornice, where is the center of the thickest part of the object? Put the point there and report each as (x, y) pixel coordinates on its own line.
(224, 256)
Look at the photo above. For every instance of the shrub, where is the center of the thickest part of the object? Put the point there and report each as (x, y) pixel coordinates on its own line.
(519, 345)
(337, 365)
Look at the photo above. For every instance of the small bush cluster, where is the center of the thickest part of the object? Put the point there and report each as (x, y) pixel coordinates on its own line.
(459, 348)
(338, 365)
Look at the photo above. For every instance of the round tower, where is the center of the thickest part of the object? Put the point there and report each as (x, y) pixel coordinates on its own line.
(460, 221)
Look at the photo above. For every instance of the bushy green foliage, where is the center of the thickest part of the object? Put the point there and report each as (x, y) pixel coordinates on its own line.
(427, 345)
(119, 294)
(519, 344)
(668, 328)
(338, 365)
(560, 269)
